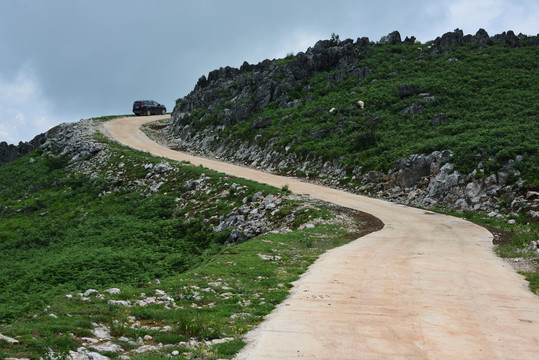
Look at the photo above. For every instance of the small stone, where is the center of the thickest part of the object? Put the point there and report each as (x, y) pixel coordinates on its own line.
(113, 291)
(97, 356)
(175, 353)
(148, 338)
(101, 332)
(90, 292)
(89, 340)
(119, 302)
(146, 348)
(108, 347)
(8, 339)
(511, 222)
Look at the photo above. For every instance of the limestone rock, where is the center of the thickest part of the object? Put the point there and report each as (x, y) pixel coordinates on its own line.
(407, 90)
(391, 39)
(414, 109)
(9, 339)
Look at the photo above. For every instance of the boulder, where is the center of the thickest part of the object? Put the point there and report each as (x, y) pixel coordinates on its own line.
(414, 109)
(363, 42)
(408, 171)
(473, 189)
(482, 37)
(391, 39)
(505, 172)
(261, 123)
(451, 38)
(108, 347)
(509, 38)
(373, 176)
(407, 90)
(162, 167)
(445, 180)
(439, 119)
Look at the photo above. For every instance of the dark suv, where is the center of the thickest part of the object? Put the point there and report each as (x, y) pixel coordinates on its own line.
(148, 107)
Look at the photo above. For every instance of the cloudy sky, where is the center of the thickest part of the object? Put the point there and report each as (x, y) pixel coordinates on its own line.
(64, 60)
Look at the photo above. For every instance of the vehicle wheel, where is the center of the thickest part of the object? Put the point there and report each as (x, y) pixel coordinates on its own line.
(148, 112)
(163, 112)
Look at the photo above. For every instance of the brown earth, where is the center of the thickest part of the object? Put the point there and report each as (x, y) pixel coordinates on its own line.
(426, 286)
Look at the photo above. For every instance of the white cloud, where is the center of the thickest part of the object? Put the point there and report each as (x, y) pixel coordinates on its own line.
(474, 14)
(495, 16)
(5, 134)
(20, 118)
(25, 111)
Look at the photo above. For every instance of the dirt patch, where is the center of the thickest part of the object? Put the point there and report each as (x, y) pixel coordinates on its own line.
(367, 223)
(158, 127)
(500, 237)
(179, 148)
(522, 265)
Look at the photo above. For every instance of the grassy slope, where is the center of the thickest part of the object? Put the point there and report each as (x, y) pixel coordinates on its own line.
(63, 232)
(488, 94)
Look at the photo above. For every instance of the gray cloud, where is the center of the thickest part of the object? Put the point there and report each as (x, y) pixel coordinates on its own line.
(80, 59)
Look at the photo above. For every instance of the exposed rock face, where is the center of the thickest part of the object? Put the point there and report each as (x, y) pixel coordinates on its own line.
(427, 180)
(450, 39)
(233, 95)
(407, 172)
(261, 123)
(9, 153)
(392, 39)
(73, 140)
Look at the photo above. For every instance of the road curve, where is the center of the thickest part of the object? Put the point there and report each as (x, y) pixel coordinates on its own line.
(427, 286)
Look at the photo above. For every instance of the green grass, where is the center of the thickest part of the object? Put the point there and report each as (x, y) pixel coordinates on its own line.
(63, 231)
(244, 288)
(489, 96)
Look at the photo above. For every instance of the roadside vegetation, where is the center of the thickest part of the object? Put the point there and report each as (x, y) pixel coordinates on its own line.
(69, 232)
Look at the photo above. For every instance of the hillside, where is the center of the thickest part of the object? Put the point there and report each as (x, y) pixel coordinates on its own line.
(467, 100)
(106, 250)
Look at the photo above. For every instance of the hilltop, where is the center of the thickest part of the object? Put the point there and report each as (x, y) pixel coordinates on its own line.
(451, 122)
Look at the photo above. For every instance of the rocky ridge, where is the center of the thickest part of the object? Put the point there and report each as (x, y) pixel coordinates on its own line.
(229, 95)
(10, 152)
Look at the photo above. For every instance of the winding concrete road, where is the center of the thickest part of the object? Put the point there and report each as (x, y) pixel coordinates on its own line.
(427, 286)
